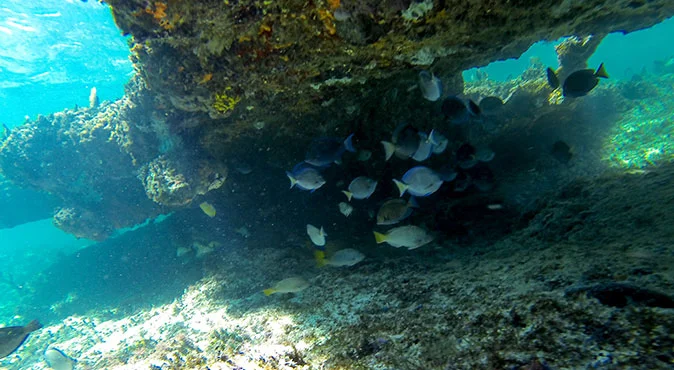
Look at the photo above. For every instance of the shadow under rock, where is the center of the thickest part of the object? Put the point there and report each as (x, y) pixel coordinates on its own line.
(136, 270)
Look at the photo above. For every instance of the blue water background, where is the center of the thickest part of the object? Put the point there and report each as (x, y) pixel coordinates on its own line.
(53, 51)
(623, 54)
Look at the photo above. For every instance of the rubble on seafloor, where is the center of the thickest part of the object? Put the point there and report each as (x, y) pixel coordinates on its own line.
(586, 283)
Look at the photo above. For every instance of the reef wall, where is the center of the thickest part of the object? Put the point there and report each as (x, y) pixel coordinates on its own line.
(107, 165)
(221, 80)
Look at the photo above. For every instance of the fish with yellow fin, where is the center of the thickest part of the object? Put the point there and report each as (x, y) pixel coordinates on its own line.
(410, 237)
(289, 285)
(208, 209)
(341, 258)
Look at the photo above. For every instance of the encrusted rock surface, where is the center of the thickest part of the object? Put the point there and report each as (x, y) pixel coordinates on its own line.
(223, 80)
(89, 159)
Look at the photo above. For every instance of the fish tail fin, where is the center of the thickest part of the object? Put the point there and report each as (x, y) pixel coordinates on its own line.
(601, 71)
(389, 149)
(402, 187)
(320, 258)
(293, 181)
(348, 144)
(348, 194)
(322, 232)
(431, 137)
(32, 326)
(379, 237)
(412, 203)
(269, 291)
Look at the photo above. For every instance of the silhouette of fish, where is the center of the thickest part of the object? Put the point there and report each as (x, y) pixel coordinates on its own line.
(12, 337)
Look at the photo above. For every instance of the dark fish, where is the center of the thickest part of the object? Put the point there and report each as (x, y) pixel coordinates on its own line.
(404, 143)
(324, 151)
(447, 173)
(483, 178)
(12, 337)
(395, 210)
(466, 157)
(455, 110)
(581, 82)
(491, 104)
(241, 167)
(462, 182)
(561, 151)
(473, 108)
(553, 80)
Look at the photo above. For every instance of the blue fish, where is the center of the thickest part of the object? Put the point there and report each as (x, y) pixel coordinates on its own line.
(425, 148)
(327, 150)
(419, 181)
(430, 86)
(305, 177)
(438, 141)
(404, 142)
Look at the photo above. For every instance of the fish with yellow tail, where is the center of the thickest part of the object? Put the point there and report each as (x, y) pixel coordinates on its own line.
(341, 258)
(410, 237)
(360, 188)
(289, 285)
(208, 209)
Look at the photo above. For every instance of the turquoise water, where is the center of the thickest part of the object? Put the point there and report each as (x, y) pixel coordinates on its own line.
(52, 52)
(624, 54)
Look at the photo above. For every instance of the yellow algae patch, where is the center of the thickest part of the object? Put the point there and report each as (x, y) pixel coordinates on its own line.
(208, 209)
(224, 103)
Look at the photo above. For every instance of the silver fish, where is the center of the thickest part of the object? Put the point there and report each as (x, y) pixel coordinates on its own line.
(316, 235)
(410, 237)
(430, 86)
(306, 178)
(58, 360)
(289, 285)
(345, 209)
(341, 258)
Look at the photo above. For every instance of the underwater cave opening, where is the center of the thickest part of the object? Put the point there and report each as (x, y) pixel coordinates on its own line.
(624, 54)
